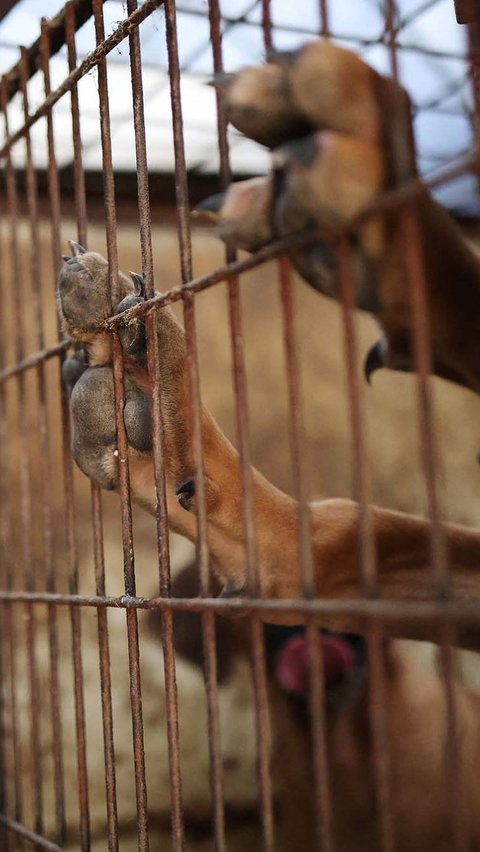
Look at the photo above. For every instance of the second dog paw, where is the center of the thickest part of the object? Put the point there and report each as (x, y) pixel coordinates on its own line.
(94, 441)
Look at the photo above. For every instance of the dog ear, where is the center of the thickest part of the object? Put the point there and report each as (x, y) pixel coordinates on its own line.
(187, 626)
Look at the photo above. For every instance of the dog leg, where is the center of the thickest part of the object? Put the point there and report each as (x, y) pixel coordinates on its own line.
(402, 540)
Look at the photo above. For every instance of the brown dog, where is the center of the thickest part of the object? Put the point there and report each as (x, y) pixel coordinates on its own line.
(415, 714)
(364, 153)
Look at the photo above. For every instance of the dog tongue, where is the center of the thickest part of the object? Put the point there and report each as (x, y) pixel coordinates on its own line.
(292, 669)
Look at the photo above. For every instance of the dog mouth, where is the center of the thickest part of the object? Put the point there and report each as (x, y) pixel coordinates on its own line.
(292, 665)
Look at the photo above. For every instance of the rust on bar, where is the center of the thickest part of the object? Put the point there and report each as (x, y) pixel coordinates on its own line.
(195, 427)
(267, 27)
(258, 660)
(105, 678)
(78, 176)
(324, 19)
(123, 470)
(25, 476)
(391, 612)
(318, 723)
(171, 696)
(49, 556)
(442, 587)
(441, 579)
(368, 566)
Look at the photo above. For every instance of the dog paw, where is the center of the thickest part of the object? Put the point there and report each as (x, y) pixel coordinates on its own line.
(84, 293)
(340, 134)
(94, 441)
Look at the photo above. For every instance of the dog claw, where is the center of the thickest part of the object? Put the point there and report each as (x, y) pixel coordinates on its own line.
(374, 360)
(76, 248)
(138, 283)
(66, 257)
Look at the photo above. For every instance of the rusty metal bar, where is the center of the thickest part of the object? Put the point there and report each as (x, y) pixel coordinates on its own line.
(21, 831)
(195, 427)
(74, 613)
(78, 176)
(465, 613)
(105, 676)
(318, 721)
(253, 580)
(167, 637)
(440, 570)
(258, 659)
(442, 587)
(123, 470)
(7, 696)
(368, 566)
(26, 547)
(296, 428)
(96, 500)
(324, 19)
(4, 839)
(267, 26)
(33, 360)
(43, 424)
(153, 355)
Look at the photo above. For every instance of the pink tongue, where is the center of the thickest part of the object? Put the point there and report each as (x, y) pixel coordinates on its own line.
(292, 665)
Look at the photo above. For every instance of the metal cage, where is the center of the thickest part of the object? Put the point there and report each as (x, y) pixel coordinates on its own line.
(40, 577)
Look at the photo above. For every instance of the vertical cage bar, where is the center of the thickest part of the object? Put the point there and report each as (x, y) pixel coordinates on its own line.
(258, 650)
(324, 19)
(318, 720)
(267, 25)
(368, 568)
(105, 675)
(26, 547)
(123, 469)
(78, 175)
(74, 613)
(95, 494)
(57, 737)
(195, 415)
(6, 721)
(14, 271)
(167, 635)
(429, 454)
(438, 553)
